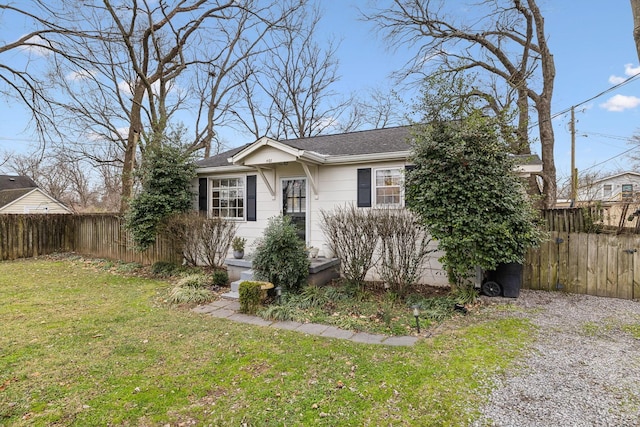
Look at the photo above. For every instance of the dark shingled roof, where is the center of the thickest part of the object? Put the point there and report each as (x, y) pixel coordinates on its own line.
(8, 196)
(373, 141)
(11, 182)
(219, 159)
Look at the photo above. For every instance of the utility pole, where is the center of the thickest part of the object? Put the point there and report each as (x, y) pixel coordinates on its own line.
(574, 172)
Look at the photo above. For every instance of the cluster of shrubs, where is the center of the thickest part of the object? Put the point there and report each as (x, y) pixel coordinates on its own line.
(194, 285)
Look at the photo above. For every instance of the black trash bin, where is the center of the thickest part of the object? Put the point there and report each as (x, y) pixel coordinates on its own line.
(509, 276)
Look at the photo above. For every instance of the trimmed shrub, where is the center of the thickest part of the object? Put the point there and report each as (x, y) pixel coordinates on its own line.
(250, 296)
(220, 278)
(280, 257)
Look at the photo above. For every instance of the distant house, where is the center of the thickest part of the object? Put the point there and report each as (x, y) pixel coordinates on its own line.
(301, 177)
(21, 195)
(621, 187)
(617, 195)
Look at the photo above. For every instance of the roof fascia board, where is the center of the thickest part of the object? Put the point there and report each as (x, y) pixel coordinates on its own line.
(224, 169)
(364, 158)
(265, 142)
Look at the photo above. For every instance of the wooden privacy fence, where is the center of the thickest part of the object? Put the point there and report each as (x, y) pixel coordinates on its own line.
(586, 263)
(98, 235)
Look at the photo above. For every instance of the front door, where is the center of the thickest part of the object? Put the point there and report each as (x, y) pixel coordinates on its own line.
(294, 203)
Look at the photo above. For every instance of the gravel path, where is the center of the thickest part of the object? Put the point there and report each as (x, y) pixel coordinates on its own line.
(583, 369)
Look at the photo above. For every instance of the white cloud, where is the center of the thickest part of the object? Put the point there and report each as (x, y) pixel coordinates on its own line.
(619, 103)
(36, 45)
(629, 71)
(80, 75)
(616, 80)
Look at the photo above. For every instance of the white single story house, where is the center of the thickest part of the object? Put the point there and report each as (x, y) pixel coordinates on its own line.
(21, 195)
(620, 187)
(302, 177)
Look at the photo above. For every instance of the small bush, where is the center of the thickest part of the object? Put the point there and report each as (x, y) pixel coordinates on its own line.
(220, 278)
(250, 296)
(404, 248)
(352, 234)
(164, 268)
(202, 239)
(197, 281)
(190, 295)
(281, 313)
(280, 258)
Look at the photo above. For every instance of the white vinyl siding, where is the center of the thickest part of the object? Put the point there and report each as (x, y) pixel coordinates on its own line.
(35, 202)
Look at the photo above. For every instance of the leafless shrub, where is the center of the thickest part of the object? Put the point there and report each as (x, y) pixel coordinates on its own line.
(203, 239)
(216, 240)
(352, 235)
(404, 248)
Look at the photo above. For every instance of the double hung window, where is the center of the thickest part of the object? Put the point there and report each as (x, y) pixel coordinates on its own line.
(227, 197)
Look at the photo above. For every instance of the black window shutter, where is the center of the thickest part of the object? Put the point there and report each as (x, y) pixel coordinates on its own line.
(251, 197)
(364, 188)
(407, 169)
(202, 195)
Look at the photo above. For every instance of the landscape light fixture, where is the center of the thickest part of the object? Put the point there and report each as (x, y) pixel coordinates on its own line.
(416, 314)
(278, 293)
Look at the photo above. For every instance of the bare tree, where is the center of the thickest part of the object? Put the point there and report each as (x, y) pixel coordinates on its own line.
(503, 41)
(127, 70)
(294, 82)
(635, 10)
(22, 79)
(60, 175)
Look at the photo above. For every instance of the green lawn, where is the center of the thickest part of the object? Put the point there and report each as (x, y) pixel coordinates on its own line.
(83, 346)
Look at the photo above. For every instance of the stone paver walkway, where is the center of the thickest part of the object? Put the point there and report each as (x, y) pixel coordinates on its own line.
(227, 309)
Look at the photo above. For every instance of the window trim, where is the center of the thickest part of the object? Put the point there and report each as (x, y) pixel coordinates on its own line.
(374, 187)
(244, 196)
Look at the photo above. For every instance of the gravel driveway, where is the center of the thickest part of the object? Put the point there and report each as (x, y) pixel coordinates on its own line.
(583, 369)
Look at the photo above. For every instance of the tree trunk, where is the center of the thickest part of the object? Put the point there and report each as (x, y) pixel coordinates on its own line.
(635, 10)
(135, 127)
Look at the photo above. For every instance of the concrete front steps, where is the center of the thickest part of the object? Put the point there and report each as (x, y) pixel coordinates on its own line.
(321, 271)
(235, 285)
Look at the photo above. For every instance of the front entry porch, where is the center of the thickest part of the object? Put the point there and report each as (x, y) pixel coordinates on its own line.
(321, 271)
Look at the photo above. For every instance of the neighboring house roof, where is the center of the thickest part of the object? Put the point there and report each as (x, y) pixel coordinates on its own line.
(12, 182)
(10, 196)
(617, 175)
(14, 189)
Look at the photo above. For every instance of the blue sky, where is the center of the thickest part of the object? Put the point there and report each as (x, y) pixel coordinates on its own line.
(593, 48)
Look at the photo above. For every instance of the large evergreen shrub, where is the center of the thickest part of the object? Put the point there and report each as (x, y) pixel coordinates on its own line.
(166, 175)
(280, 257)
(465, 190)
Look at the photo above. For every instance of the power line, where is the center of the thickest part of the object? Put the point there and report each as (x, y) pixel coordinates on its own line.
(604, 92)
(611, 158)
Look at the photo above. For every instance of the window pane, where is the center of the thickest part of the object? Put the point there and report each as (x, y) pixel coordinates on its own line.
(388, 185)
(227, 193)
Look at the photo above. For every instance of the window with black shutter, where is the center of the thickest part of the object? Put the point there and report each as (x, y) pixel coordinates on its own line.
(251, 198)
(364, 188)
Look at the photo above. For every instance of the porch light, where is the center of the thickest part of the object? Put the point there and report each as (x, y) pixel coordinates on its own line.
(416, 314)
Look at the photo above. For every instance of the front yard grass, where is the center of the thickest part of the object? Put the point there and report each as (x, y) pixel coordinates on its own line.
(84, 346)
